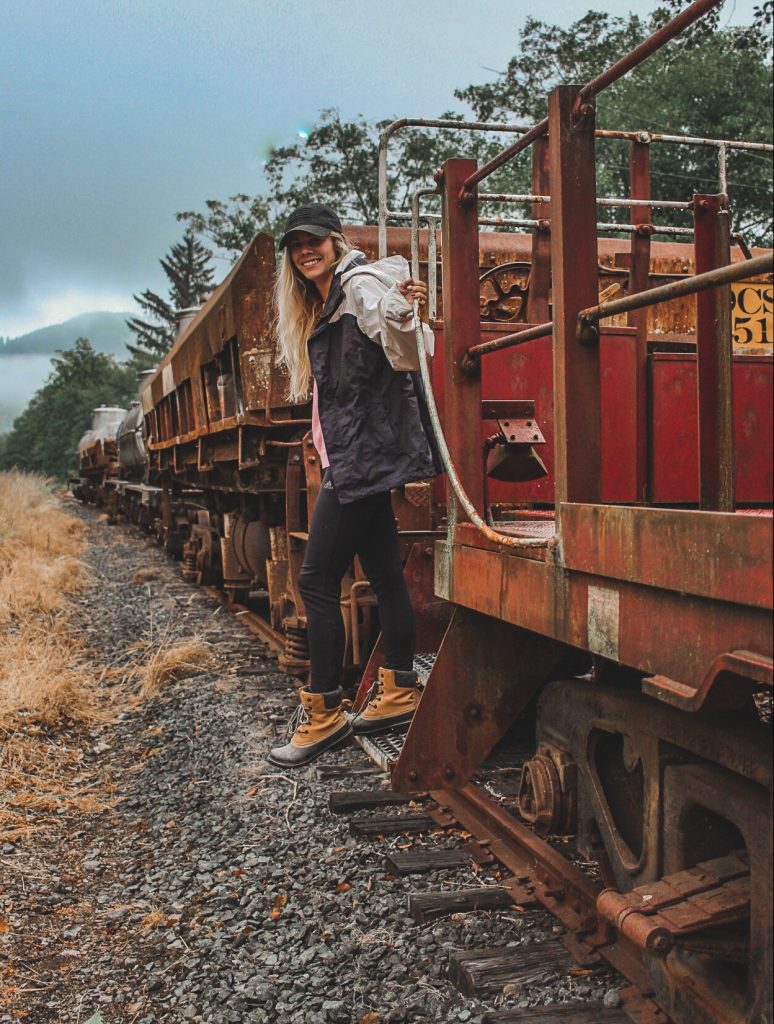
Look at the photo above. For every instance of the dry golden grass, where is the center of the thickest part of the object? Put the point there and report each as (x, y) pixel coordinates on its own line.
(154, 919)
(48, 678)
(43, 673)
(164, 661)
(40, 778)
(40, 546)
(45, 676)
(145, 576)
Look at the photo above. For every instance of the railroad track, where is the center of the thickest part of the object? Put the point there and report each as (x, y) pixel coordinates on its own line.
(534, 874)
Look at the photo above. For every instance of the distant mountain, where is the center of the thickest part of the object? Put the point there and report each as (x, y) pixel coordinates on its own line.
(107, 332)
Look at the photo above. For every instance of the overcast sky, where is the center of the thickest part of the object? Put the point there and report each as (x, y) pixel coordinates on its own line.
(114, 115)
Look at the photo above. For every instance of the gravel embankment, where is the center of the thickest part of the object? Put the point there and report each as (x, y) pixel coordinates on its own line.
(219, 889)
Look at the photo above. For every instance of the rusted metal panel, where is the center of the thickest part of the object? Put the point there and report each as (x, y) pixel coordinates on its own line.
(577, 408)
(718, 555)
(673, 418)
(651, 623)
(484, 676)
(713, 358)
(227, 352)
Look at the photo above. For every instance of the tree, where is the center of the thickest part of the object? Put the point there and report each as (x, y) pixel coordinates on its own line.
(231, 225)
(712, 81)
(45, 436)
(189, 272)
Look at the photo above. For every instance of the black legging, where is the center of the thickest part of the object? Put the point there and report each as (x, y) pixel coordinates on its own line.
(338, 533)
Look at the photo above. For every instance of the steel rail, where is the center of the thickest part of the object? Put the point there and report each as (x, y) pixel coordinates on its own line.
(677, 289)
(448, 124)
(621, 67)
(542, 874)
(682, 140)
(526, 222)
(507, 341)
(661, 204)
(640, 53)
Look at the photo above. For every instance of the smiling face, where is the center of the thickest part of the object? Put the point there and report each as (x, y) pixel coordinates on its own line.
(314, 258)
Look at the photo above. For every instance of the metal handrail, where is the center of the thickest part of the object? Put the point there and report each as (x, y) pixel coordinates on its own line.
(621, 67)
(645, 137)
(658, 204)
(435, 421)
(506, 341)
(676, 289)
(423, 122)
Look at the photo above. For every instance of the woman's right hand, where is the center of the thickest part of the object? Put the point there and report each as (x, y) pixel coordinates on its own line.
(413, 291)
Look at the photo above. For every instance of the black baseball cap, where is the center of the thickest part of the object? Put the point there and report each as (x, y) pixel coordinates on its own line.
(316, 218)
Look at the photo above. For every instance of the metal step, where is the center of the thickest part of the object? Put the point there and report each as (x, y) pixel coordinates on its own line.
(384, 748)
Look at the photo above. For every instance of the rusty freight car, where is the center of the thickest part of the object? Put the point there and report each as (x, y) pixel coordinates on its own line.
(628, 616)
(236, 472)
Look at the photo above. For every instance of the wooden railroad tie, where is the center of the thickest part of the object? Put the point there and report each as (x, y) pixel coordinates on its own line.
(373, 825)
(429, 906)
(413, 862)
(560, 1013)
(326, 772)
(488, 971)
(366, 799)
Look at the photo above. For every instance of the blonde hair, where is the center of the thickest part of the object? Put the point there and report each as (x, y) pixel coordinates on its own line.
(297, 304)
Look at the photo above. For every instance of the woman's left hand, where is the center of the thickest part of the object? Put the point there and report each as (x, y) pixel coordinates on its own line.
(412, 290)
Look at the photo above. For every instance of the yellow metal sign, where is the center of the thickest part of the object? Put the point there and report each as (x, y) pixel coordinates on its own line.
(752, 317)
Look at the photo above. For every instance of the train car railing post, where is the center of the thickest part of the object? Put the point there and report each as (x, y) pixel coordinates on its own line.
(540, 274)
(714, 358)
(639, 280)
(461, 329)
(577, 412)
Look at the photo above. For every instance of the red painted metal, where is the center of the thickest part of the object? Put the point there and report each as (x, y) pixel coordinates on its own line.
(674, 426)
(714, 352)
(640, 624)
(461, 319)
(526, 372)
(639, 172)
(713, 555)
(577, 409)
(484, 676)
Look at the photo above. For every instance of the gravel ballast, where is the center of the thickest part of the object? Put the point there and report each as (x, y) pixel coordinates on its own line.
(218, 888)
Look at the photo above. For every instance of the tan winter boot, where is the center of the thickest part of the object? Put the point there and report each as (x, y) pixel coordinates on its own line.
(319, 725)
(392, 703)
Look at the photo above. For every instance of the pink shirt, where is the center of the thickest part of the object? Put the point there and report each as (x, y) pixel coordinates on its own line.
(317, 434)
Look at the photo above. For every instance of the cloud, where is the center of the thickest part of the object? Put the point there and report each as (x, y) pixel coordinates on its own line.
(57, 306)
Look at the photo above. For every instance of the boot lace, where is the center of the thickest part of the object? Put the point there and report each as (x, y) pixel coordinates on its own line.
(377, 692)
(299, 721)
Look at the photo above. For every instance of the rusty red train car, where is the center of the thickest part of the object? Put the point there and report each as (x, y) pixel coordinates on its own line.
(624, 603)
(596, 566)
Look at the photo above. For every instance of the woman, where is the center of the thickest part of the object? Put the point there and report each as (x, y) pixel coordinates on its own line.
(346, 327)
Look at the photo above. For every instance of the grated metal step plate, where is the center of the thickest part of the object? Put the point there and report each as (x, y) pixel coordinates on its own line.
(384, 748)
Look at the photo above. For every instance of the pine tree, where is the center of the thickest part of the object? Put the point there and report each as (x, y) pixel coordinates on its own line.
(188, 270)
